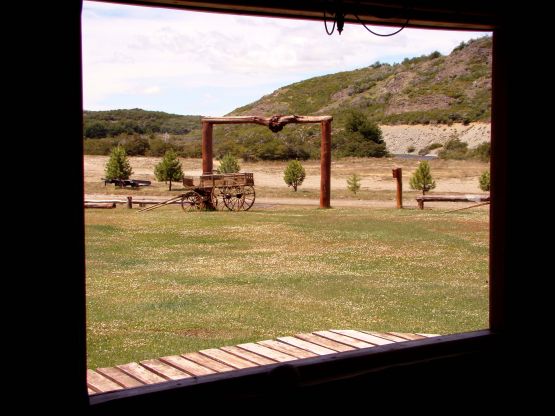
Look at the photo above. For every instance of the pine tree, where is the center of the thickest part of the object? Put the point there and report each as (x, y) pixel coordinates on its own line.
(294, 174)
(485, 181)
(169, 169)
(422, 178)
(229, 164)
(353, 183)
(118, 166)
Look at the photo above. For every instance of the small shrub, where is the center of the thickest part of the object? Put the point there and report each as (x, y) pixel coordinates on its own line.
(229, 164)
(294, 174)
(485, 181)
(481, 152)
(422, 179)
(454, 149)
(118, 166)
(169, 169)
(353, 183)
(411, 149)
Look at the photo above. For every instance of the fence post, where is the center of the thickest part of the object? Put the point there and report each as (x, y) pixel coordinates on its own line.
(129, 202)
(398, 174)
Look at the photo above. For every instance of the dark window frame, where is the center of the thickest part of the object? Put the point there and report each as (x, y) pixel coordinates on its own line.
(245, 384)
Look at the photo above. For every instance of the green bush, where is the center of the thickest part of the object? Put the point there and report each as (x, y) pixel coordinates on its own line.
(135, 145)
(99, 146)
(158, 147)
(454, 149)
(118, 166)
(421, 179)
(485, 181)
(169, 169)
(294, 174)
(481, 152)
(228, 164)
(353, 183)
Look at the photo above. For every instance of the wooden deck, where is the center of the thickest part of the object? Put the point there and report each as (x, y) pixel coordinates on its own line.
(219, 360)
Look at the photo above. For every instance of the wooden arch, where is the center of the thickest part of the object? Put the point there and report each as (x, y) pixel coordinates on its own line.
(275, 124)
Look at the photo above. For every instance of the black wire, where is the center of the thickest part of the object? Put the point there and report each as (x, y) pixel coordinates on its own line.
(380, 34)
(326, 24)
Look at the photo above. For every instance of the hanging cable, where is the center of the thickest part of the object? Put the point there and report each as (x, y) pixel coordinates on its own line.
(326, 24)
(339, 20)
(380, 34)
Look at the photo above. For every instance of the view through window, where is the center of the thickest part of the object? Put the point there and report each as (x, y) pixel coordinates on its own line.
(267, 263)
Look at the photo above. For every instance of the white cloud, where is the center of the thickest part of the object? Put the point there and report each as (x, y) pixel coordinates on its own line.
(130, 51)
(152, 90)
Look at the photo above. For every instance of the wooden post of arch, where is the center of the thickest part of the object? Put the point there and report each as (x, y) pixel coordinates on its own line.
(207, 155)
(325, 164)
(275, 124)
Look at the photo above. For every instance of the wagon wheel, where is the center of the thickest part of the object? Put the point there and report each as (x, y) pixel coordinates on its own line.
(249, 197)
(217, 198)
(191, 201)
(234, 197)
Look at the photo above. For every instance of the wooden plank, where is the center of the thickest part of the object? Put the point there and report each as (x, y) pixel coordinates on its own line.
(164, 370)
(453, 198)
(325, 342)
(305, 345)
(353, 342)
(247, 355)
(100, 205)
(267, 352)
(91, 391)
(407, 336)
(227, 358)
(118, 376)
(386, 336)
(100, 383)
(207, 362)
(287, 349)
(141, 373)
(363, 336)
(187, 366)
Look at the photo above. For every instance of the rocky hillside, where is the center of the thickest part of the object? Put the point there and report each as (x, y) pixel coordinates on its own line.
(419, 102)
(422, 90)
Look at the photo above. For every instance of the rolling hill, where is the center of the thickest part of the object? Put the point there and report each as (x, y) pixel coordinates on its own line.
(420, 101)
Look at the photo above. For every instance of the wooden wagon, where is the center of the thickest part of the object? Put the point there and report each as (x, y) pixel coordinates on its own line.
(232, 191)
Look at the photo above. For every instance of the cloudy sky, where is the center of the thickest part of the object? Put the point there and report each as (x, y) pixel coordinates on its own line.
(202, 63)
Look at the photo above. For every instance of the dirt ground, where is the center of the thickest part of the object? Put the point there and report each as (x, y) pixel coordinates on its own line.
(451, 176)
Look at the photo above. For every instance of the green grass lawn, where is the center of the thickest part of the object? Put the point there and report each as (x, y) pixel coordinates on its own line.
(167, 282)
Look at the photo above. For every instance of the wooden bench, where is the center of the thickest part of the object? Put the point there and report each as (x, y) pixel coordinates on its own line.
(451, 198)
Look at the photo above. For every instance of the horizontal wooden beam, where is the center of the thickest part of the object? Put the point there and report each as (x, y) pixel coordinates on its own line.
(265, 121)
(453, 198)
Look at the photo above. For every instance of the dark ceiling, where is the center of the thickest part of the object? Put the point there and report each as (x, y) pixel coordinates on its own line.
(453, 14)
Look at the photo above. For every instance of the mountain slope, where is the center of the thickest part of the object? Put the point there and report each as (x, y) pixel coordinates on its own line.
(98, 124)
(427, 89)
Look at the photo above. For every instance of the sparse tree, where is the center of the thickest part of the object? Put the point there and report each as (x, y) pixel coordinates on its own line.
(229, 164)
(353, 183)
(422, 179)
(118, 166)
(294, 174)
(169, 169)
(485, 181)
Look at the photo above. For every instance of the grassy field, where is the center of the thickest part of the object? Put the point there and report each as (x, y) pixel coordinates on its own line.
(165, 282)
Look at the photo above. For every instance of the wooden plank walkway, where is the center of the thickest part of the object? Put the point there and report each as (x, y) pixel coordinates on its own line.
(248, 355)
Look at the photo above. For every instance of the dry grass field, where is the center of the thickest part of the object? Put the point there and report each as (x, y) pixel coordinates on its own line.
(378, 186)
